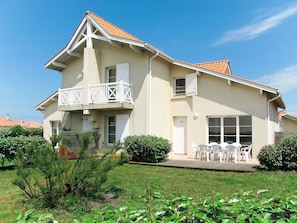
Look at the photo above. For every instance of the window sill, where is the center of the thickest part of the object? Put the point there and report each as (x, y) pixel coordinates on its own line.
(179, 97)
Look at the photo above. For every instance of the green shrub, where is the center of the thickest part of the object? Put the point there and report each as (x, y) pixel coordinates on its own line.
(52, 182)
(19, 130)
(288, 148)
(271, 157)
(146, 148)
(9, 146)
(282, 156)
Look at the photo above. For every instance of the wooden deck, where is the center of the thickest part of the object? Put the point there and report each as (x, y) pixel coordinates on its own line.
(189, 163)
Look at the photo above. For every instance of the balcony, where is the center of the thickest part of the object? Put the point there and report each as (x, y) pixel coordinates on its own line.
(100, 96)
(70, 96)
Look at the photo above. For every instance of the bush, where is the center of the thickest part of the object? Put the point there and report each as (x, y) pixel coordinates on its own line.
(20, 131)
(288, 148)
(271, 157)
(146, 148)
(53, 182)
(282, 156)
(9, 146)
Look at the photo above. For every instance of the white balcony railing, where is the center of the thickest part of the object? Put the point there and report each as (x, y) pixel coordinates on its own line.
(110, 92)
(70, 96)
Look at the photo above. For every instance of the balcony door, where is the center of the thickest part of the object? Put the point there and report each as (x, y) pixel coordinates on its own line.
(116, 74)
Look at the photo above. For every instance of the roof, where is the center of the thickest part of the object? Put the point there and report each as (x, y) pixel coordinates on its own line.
(288, 116)
(111, 28)
(53, 97)
(106, 31)
(8, 122)
(220, 66)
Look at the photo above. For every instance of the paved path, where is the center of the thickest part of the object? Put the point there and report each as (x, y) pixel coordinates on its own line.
(184, 162)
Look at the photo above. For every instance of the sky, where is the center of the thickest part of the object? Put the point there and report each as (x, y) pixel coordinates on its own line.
(259, 38)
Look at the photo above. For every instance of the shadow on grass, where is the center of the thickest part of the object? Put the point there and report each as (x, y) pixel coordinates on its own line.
(11, 167)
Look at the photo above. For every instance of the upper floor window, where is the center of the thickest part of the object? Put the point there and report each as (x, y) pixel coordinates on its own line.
(111, 75)
(185, 86)
(179, 87)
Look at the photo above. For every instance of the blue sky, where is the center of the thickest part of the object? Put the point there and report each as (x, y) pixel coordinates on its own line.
(258, 37)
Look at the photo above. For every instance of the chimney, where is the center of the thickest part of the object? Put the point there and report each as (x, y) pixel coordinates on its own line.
(7, 117)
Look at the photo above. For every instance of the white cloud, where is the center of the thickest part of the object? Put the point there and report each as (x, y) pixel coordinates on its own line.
(253, 30)
(284, 79)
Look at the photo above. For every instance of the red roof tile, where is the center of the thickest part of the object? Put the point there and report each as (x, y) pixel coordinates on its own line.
(111, 28)
(221, 66)
(8, 122)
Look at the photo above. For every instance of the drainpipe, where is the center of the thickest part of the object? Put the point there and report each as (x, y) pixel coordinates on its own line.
(268, 116)
(149, 117)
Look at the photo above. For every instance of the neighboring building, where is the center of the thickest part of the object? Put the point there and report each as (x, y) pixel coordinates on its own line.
(119, 85)
(7, 122)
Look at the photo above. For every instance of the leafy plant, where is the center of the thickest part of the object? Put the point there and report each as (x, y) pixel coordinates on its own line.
(146, 148)
(29, 216)
(245, 207)
(46, 178)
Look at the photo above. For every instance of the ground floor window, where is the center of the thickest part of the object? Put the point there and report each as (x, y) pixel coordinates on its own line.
(111, 130)
(56, 127)
(230, 129)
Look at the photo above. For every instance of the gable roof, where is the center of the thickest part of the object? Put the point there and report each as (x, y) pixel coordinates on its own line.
(112, 29)
(220, 66)
(103, 30)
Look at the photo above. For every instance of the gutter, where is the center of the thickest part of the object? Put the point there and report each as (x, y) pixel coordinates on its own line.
(149, 117)
(268, 117)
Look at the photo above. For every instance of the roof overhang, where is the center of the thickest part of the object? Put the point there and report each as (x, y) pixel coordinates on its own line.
(42, 105)
(272, 92)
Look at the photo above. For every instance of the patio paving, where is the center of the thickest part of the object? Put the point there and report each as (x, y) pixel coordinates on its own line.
(182, 161)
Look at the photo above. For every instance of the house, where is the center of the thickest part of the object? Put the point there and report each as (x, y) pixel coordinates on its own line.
(119, 85)
(7, 122)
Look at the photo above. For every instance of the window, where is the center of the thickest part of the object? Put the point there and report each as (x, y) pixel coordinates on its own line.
(56, 127)
(111, 75)
(179, 87)
(111, 130)
(117, 128)
(185, 86)
(230, 129)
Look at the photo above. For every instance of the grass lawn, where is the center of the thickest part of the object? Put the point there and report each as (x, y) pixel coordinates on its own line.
(133, 180)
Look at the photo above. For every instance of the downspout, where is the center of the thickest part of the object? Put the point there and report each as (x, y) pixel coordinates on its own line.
(149, 117)
(268, 116)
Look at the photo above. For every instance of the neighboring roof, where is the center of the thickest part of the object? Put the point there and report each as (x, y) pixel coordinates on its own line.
(32, 124)
(288, 116)
(8, 122)
(108, 32)
(220, 66)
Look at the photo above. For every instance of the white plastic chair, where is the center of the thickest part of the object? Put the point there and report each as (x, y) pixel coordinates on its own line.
(237, 144)
(203, 150)
(216, 150)
(245, 153)
(195, 150)
(232, 151)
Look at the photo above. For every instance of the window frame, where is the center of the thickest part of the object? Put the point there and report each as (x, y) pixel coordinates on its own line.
(176, 92)
(108, 128)
(223, 135)
(57, 125)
